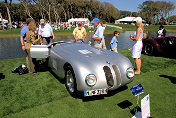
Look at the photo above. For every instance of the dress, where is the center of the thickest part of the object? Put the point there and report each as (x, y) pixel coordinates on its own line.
(137, 47)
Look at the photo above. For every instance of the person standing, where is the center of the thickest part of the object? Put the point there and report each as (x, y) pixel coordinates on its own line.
(23, 33)
(45, 32)
(114, 42)
(30, 39)
(137, 48)
(161, 31)
(98, 33)
(79, 33)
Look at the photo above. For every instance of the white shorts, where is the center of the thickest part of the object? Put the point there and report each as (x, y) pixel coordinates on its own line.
(137, 49)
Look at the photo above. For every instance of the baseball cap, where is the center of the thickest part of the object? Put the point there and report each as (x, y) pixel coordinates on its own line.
(79, 23)
(95, 20)
(42, 21)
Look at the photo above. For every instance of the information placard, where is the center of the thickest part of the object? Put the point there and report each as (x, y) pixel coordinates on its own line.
(136, 89)
(145, 107)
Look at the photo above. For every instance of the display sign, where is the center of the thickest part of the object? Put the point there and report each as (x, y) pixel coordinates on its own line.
(136, 89)
(145, 107)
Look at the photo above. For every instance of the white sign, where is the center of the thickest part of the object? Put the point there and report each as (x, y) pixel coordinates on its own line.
(145, 107)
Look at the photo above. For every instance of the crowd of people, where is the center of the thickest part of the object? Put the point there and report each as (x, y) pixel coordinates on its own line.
(45, 35)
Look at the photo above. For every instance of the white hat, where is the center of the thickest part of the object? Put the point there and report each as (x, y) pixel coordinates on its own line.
(138, 18)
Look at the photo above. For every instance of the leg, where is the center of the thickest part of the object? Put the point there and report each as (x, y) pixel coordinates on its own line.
(138, 65)
(30, 63)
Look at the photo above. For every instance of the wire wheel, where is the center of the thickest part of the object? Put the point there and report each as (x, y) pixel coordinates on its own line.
(149, 49)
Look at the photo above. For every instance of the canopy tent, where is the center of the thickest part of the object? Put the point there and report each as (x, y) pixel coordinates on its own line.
(84, 20)
(4, 20)
(128, 20)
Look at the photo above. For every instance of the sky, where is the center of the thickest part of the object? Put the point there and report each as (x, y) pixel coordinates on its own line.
(132, 5)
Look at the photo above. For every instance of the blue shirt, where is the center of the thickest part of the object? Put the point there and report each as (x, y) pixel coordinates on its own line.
(114, 44)
(23, 32)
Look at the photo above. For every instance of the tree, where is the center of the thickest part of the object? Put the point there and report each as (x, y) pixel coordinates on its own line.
(26, 3)
(8, 12)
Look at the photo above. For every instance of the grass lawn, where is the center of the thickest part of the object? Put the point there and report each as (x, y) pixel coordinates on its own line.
(109, 30)
(26, 96)
(16, 32)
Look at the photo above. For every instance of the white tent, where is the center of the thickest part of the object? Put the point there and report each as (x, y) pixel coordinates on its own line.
(84, 20)
(4, 20)
(128, 20)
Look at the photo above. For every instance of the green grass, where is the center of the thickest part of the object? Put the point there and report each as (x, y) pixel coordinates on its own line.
(109, 30)
(26, 96)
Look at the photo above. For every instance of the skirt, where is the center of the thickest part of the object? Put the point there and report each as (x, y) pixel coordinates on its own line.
(137, 49)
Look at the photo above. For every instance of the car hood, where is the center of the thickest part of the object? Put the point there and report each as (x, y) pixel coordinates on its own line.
(83, 53)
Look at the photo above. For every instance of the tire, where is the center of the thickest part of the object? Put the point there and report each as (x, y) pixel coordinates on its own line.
(70, 81)
(149, 49)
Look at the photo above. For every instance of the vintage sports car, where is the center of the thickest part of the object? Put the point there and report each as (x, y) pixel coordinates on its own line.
(159, 45)
(86, 69)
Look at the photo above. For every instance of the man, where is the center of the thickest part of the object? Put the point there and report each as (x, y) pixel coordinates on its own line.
(45, 32)
(23, 33)
(79, 32)
(163, 31)
(98, 33)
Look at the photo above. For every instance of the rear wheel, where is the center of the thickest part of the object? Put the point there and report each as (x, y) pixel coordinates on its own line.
(70, 81)
(149, 49)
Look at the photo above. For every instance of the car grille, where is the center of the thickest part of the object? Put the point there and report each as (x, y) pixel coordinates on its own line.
(117, 73)
(109, 76)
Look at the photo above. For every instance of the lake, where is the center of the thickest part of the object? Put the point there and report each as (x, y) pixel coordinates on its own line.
(11, 47)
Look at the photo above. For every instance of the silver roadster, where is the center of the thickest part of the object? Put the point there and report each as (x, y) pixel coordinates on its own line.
(86, 69)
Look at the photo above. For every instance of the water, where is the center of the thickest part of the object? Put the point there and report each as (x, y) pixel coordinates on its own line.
(11, 47)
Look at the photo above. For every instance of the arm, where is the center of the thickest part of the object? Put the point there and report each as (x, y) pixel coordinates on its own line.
(52, 33)
(22, 43)
(74, 34)
(75, 37)
(111, 47)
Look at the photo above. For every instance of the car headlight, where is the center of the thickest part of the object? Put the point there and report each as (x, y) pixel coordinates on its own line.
(91, 80)
(130, 73)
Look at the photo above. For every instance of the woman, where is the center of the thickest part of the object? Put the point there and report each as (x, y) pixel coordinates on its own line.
(30, 35)
(137, 48)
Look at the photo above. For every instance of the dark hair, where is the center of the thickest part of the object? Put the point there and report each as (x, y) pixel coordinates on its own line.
(115, 32)
(161, 26)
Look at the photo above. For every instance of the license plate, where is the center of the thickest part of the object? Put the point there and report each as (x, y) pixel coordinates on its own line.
(95, 92)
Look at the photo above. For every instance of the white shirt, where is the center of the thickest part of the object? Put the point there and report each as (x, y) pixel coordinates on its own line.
(98, 34)
(45, 31)
(159, 32)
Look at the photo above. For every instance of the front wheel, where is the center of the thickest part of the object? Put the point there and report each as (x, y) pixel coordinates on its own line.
(70, 81)
(149, 49)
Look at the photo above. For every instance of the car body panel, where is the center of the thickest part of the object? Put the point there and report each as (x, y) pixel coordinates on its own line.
(162, 44)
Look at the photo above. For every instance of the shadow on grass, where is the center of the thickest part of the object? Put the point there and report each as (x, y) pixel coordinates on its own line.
(41, 65)
(2, 76)
(172, 79)
(126, 104)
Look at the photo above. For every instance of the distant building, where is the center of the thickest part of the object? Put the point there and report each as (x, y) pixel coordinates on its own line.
(128, 20)
(85, 21)
(5, 21)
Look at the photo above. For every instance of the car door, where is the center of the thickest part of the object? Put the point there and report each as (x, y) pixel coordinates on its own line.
(39, 51)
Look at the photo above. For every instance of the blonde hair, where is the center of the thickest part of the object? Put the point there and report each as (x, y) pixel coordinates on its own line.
(32, 26)
(139, 24)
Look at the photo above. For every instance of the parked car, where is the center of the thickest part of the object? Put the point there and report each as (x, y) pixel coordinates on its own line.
(159, 45)
(86, 69)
